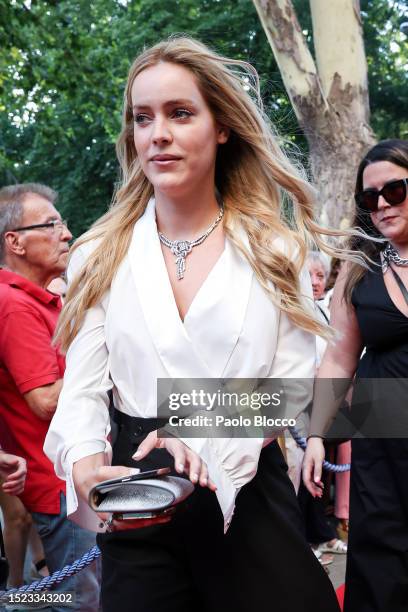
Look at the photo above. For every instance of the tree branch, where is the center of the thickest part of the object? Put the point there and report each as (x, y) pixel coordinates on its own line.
(339, 48)
(291, 52)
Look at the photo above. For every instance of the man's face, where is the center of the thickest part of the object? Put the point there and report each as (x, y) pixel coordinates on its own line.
(46, 249)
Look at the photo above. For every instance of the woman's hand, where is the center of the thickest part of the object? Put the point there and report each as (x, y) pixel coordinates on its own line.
(14, 470)
(90, 471)
(185, 460)
(312, 466)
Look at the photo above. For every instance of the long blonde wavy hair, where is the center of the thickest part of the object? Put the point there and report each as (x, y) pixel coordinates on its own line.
(253, 177)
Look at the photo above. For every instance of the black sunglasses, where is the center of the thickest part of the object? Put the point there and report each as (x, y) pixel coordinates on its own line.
(394, 193)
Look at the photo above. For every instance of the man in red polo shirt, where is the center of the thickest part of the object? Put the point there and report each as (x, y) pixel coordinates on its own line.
(34, 251)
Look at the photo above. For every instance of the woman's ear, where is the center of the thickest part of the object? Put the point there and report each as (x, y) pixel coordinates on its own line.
(222, 134)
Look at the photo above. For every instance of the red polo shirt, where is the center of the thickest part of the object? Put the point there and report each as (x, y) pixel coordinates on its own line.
(28, 316)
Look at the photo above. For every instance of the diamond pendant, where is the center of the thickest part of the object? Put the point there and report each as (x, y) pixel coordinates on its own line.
(181, 267)
(181, 248)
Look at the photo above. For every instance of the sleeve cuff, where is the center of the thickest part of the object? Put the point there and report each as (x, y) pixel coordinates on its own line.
(84, 449)
(38, 381)
(77, 508)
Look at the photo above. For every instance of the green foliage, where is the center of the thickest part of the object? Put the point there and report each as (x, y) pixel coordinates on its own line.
(63, 66)
(387, 58)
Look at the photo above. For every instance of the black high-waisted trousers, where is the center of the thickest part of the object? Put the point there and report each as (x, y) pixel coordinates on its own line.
(377, 559)
(189, 565)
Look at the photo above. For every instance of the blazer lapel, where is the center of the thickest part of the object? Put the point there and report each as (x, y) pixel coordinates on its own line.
(155, 294)
(215, 319)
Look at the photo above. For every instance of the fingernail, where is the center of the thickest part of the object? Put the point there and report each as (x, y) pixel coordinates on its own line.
(194, 477)
(180, 467)
(204, 481)
(137, 454)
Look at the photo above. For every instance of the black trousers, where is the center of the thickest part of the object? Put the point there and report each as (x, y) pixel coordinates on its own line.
(377, 559)
(317, 527)
(189, 565)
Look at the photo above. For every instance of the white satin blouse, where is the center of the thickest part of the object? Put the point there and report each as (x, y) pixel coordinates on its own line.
(135, 335)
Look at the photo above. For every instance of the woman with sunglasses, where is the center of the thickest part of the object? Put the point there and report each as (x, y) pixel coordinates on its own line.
(370, 310)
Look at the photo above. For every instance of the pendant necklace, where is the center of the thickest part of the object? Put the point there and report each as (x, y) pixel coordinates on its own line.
(391, 255)
(181, 248)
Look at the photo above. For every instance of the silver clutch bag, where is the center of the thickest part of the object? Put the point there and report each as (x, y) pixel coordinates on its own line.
(140, 497)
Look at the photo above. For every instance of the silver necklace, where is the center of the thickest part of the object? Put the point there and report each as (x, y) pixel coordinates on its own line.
(391, 255)
(181, 248)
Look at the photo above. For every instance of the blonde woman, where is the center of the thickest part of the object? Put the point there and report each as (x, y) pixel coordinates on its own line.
(200, 164)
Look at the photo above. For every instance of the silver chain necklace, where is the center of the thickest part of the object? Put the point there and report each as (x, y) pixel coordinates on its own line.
(391, 255)
(181, 248)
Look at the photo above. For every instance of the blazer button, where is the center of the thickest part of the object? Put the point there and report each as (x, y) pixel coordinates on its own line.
(138, 430)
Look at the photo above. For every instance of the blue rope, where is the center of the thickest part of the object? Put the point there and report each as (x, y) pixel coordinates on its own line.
(331, 467)
(56, 578)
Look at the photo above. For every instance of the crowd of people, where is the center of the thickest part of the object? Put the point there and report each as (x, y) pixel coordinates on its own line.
(34, 252)
(194, 273)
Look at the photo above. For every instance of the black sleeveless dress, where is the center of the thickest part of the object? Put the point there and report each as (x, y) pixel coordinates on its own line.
(377, 562)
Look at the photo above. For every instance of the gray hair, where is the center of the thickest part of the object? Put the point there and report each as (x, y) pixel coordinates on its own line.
(11, 206)
(322, 259)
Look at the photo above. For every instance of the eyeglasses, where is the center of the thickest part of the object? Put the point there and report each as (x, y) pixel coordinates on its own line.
(58, 224)
(394, 193)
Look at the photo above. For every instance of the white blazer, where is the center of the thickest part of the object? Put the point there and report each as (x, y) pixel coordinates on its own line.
(135, 335)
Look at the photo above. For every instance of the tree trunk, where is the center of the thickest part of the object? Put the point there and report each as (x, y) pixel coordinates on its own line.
(329, 97)
(337, 142)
